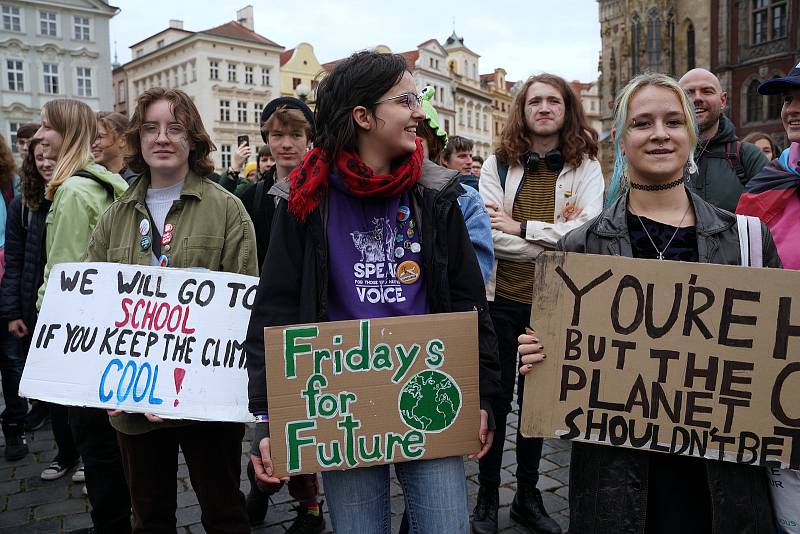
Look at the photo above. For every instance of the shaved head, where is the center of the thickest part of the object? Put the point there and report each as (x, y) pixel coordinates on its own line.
(704, 90)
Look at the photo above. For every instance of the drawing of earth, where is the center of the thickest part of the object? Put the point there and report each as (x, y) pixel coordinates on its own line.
(430, 401)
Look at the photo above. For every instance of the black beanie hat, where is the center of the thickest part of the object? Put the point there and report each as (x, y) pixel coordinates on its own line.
(287, 102)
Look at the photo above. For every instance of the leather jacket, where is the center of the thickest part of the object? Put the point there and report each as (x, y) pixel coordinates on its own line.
(609, 485)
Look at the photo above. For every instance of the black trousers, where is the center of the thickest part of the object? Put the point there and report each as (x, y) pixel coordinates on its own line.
(96, 441)
(213, 453)
(510, 319)
(62, 433)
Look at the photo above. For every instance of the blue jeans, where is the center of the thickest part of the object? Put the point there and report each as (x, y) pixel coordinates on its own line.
(435, 496)
(13, 353)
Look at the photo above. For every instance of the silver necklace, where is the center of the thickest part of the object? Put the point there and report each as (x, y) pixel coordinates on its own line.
(661, 252)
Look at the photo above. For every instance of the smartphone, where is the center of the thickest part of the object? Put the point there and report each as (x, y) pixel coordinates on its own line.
(242, 139)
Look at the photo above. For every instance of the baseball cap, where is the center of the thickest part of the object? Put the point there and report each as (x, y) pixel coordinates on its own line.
(777, 86)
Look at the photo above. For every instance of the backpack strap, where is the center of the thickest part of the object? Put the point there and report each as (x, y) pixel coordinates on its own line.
(502, 172)
(750, 245)
(107, 186)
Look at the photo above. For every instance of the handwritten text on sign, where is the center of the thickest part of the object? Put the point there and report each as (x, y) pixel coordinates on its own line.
(143, 339)
(355, 393)
(684, 358)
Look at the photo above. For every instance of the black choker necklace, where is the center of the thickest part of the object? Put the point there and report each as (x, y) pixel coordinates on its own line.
(657, 187)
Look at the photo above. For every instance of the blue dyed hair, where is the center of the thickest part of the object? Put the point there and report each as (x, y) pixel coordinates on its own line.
(619, 178)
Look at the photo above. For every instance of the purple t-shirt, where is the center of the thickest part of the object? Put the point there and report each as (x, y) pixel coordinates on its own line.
(375, 264)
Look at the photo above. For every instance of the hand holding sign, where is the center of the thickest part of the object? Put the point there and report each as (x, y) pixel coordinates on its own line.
(531, 351)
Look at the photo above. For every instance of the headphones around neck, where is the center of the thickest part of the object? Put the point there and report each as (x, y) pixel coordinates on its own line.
(553, 160)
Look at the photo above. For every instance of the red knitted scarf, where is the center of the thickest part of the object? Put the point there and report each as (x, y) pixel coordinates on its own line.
(309, 181)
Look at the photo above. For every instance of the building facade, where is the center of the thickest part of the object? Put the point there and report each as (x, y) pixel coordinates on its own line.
(229, 71)
(752, 42)
(52, 50)
(300, 73)
(500, 90)
(589, 95)
(429, 62)
(473, 104)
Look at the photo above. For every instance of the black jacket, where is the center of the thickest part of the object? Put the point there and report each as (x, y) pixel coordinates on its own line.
(25, 261)
(608, 485)
(259, 202)
(717, 181)
(294, 279)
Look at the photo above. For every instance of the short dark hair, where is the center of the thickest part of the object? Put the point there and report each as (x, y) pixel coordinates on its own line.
(359, 80)
(457, 144)
(264, 150)
(285, 116)
(435, 142)
(477, 158)
(185, 113)
(26, 131)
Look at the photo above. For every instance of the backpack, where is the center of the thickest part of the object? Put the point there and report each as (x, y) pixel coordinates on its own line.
(107, 186)
(502, 172)
(733, 153)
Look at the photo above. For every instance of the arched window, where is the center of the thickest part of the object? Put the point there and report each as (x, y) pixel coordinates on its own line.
(654, 41)
(636, 34)
(755, 103)
(690, 47)
(671, 37)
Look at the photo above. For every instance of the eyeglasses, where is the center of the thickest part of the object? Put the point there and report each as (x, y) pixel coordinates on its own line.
(150, 131)
(412, 100)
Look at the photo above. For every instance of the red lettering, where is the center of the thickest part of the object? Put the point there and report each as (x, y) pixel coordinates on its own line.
(172, 314)
(139, 305)
(157, 323)
(147, 318)
(125, 303)
(184, 328)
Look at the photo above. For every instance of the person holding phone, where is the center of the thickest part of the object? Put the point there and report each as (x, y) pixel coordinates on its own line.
(233, 179)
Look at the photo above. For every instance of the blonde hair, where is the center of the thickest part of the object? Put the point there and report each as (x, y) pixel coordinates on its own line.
(619, 180)
(76, 123)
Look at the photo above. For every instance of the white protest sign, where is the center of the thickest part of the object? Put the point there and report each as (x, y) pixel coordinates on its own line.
(143, 339)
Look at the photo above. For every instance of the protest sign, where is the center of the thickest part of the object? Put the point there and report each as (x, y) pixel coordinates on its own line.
(358, 393)
(685, 358)
(143, 339)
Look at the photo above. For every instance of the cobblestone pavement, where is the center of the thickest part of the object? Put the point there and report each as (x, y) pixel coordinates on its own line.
(29, 504)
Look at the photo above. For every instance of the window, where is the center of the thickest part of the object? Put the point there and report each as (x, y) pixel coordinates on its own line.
(213, 70)
(430, 60)
(296, 82)
(231, 72)
(241, 111)
(84, 77)
(81, 28)
(225, 153)
(184, 79)
(12, 130)
(120, 92)
(12, 22)
(248, 75)
(160, 43)
(16, 77)
(225, 110)
(755, 103)
(690, 47)
(447, 125)
(485, 123)
(256, 113)
(50, 71)
(441, 94)
(636, 33)
(48, 24)
(654, 41)
(779, 20)
(671, 41)
(264, 76)
(769, 20)
(140, 52)
(469, 118)
(194, 72)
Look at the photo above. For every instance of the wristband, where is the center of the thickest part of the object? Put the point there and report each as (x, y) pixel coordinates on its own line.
(262, 418)
(523, 229)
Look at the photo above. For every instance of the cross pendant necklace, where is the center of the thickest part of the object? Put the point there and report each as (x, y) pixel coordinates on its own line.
(661, 252)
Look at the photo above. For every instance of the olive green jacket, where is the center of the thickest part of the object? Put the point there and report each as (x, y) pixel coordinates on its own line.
(211, 230)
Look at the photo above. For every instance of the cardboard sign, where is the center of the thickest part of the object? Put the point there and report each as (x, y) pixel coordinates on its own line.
(684, 358)
(143, 339)
(359, 393)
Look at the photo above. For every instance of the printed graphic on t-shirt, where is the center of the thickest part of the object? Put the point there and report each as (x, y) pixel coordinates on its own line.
(375, 274)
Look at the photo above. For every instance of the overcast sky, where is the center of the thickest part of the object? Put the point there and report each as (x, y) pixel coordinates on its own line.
(559, 36)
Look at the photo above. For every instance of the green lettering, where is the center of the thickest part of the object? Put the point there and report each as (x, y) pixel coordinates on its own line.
(416, 440)
(349, 425)
(435, 350)
(292, 350)
(375, 454)
(382, 357)
(345, 398)
(392, 440)
(361, 351)
(319, 355)
(334, 459)
(314, 385)
(406, 360)
(294, 442)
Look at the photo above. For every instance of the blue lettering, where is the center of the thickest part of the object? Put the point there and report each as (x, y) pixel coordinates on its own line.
(105, 397)
(155, 401)
(138, 398)
(132, 366)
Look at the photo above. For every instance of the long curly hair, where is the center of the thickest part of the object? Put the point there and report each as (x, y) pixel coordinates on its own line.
(576, 139)
(33, 183)
(7, 166)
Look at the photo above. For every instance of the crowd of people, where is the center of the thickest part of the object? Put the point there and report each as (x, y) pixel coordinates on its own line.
(373, 155)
